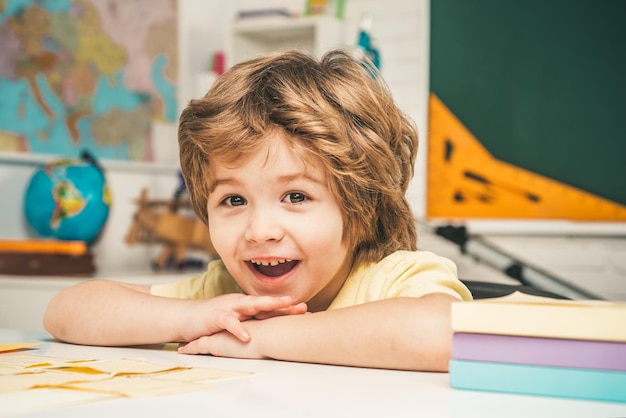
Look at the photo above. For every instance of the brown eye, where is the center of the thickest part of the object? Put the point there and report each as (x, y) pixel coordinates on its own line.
(234, 201)
(295, 197)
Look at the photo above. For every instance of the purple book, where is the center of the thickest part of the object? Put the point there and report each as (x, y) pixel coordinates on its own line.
(586, 354)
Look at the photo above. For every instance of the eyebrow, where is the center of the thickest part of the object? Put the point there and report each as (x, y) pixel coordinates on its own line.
(286, 178)
(291, 177)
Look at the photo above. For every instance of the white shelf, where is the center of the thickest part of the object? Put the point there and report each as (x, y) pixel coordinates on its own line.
(31, 159)
(250, 37)
(273, 27)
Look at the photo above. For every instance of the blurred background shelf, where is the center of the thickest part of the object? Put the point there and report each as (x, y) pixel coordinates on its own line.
(250, 37)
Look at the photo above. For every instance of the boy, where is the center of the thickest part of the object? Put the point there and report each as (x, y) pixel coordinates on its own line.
(300, 169)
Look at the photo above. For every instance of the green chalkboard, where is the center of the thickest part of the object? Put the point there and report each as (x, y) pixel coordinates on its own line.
(541, 83)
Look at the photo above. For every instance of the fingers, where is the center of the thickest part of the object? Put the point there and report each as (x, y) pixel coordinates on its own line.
(229, 313)
(199, 346)
(221, 344)
(232, 324)
(252, 305)
(298, 309)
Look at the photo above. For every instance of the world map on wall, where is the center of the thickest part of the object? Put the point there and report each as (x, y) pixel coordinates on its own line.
(86, 75)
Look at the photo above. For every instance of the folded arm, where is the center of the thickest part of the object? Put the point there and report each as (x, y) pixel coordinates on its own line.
(399, 333)
(101, 312)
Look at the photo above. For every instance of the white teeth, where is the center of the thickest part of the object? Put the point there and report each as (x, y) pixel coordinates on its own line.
(270, 263)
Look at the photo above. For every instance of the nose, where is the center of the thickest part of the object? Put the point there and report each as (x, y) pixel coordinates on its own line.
(263, 225)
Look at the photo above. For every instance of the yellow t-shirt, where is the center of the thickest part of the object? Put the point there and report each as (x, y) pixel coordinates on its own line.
(401, 274)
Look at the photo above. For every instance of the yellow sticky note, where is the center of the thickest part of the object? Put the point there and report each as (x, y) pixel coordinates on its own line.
(124, 367)
(18, 346)
(27, 380)
(198, 374)
(30, 361)
(136, 387)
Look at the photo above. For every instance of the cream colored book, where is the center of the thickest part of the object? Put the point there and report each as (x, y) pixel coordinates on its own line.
(535, 316)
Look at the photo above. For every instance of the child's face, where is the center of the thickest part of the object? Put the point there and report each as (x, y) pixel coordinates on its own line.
(277, 227)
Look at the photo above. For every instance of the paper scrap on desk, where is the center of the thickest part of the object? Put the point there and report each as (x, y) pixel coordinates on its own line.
(31, 380)
(18, 346)
(199, 375)
(128, 367)
(31, 361)
(135, 387)
(6, 370)
(121, 378)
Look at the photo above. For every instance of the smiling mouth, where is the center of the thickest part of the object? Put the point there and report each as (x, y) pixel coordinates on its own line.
(274, 268)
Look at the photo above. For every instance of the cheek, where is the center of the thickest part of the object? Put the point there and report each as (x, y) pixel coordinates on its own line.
(219, 235)
(325, 232)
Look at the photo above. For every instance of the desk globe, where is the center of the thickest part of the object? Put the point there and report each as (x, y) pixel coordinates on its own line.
(68, 199)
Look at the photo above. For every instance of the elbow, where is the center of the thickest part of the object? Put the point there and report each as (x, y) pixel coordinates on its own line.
(431, 353)
(55, 318)
(441, 357)
(50, 322)
(432, 336)
(50, 328)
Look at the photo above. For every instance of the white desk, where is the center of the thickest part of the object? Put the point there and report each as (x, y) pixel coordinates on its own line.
(283, 389)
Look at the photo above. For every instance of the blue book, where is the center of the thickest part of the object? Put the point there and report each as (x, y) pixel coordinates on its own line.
(565, 382)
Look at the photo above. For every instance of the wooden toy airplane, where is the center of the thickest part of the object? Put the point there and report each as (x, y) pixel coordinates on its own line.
(165, 222)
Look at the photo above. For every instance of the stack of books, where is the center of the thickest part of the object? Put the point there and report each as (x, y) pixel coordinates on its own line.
(45, 257)
(540, 346)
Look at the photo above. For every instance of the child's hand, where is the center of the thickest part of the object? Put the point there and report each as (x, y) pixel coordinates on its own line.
(227, 312)
(224, 344)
